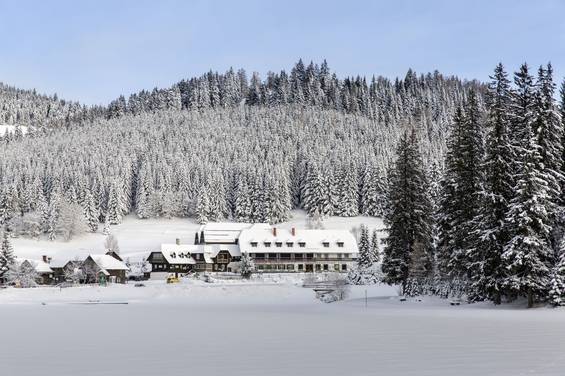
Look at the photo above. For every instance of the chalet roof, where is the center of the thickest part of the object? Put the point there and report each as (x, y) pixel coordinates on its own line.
(224, 232)
(107, 262)
(179, 253)
(40, 266)
(314, 240)
(173, 252)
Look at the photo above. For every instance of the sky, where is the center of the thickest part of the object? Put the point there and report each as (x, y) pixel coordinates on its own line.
(94, 50)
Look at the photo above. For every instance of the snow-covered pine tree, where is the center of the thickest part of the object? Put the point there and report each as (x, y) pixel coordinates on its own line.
(90, 211)
(375, 253)
(461, 187)
(7, 257)
(246, 265)
(365, 259)
(486, 271)
(450, 237)
(409, 219)
(53, 216)
(556, 293)
(347, 201)
(203, 207)
(106, 229)
(547, 130)
(114, 206)
(527, 254)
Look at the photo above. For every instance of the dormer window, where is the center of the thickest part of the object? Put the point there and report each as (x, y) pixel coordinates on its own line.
(340, 244)
(267, 244)
(326, 244)
(302, 244)
(278, 244)
(254, 244)
(289, 244)
(173, 255)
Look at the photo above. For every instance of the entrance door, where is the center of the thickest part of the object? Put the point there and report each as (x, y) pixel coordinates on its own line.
(309, 268)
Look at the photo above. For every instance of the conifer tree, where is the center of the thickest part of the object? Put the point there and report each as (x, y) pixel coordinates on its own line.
(203, 207)
(7, 257)
(409, 219)
(365, 259)
(486, 271)
(90, 212)
(557, 280)
(527, 255)
(375, 253)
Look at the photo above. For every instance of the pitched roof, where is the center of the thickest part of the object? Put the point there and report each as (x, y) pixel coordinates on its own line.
(179, 253)
(40, 266)
(314, 240)
(106, 262)
(224, 232)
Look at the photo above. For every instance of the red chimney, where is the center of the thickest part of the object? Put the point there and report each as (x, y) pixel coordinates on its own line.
(274, 231)
(293, 231)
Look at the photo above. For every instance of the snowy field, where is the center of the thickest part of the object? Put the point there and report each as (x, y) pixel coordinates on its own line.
(137, 237)
(268, 329)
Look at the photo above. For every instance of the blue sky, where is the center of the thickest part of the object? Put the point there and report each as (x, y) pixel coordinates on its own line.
(93, 51)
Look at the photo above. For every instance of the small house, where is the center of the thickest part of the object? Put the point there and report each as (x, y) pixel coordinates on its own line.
(113, 269)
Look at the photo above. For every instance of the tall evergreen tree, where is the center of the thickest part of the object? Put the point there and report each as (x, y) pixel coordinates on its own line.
(409, 219)
(365, 259)
(7, 258)
(485, 264)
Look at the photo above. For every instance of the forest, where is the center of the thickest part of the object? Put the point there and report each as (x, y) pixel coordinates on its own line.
(469, 177)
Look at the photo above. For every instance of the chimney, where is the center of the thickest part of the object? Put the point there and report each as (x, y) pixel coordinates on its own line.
(293, 231)
(46, 259)
(177, 241)
(274, 231)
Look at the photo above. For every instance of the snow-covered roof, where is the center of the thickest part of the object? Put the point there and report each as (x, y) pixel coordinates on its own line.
(179, 253)
(314, 241)
(182, 253)
(224, 232)
(40, 266)
(106, 262)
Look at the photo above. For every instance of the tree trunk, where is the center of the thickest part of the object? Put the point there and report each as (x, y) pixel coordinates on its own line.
(497, 298)
(530, 298)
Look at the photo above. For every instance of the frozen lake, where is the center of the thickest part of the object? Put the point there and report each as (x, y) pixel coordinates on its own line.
(268, 330)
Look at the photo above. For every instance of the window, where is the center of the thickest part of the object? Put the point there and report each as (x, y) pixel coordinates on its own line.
(326, 267)
(326, 244)
(343, 267)
(318, 267)
(278, 244)
(273, 256)
(289, 244)
(346, 255)
(300, 267)
(254, 244)
(285, 256)
(309, 256)
(301, 244)
(260, 256)
(290, 267)
(340, 244)
(281, 267)
(336, 267)
(260, 267)
(298, 256)
(267, 244)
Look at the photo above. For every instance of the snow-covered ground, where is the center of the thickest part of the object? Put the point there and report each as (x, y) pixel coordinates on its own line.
(266, 328)
(138, 237)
